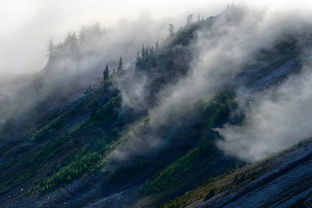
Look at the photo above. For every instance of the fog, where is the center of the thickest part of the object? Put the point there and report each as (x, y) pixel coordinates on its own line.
(74, 69)
(275, 120)
(220, 52)
(28, 25)
(223, 53)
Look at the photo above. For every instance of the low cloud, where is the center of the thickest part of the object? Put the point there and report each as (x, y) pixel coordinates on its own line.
(221, 53)
(275, 120)
(72, 71)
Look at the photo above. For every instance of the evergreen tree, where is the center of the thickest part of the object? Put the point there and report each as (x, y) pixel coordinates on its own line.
(189, 19)
(143, 52)
(83, 35)
(70, 47)
(51, 45)
(97, 29)
(74, 43)
(171, 30)
(157, 46)
(198, 18)
(151, 50)
(106, 73)
(138, 59)
(51, 50)
(119, 69)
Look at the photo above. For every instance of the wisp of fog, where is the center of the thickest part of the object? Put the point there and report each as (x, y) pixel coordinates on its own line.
(275, 119)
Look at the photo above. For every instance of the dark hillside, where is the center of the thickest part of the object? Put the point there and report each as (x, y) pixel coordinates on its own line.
(85, 147)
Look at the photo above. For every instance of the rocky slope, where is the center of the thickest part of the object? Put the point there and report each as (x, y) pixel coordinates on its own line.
(91, 150)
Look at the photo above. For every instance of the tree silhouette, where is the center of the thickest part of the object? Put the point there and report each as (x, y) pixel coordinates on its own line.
(52, 50)
(119, 69)
(157, 46)
(189, 19)
(171, 30)
(106, 73)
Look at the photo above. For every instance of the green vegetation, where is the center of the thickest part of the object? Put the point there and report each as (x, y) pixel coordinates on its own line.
(48, 129)
(108, 113)
(68, 144)
(213, 112)
(26, 168)
(228, 181)
(94, 151)
(84, 163)
(172, 173)
(75, 140)
(204, 192)
(70, 172)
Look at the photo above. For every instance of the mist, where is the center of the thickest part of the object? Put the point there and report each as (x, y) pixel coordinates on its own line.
(220, 54)
(276, 119)
(72, 71)
(28, 25)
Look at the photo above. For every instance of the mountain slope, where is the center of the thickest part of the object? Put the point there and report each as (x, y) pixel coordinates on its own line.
(281, 181)
(96, 151)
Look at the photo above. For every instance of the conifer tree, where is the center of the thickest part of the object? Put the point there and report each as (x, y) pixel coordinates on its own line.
(51, 45)
(171, 30)
(143, 52)
(198, 18)
(138, 59)
(119, 69)
(189, 19)
(156, 46)
(151, 50)
(106, 73)
(51, 50)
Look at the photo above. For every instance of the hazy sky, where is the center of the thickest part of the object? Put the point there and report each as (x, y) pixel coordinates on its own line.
(27, 25)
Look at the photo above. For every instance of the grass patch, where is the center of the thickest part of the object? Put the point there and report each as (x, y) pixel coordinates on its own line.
(172, 173)
(48, 129)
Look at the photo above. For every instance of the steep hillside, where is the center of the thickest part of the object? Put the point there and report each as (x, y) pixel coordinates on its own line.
(281, 181)
(91, 147)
